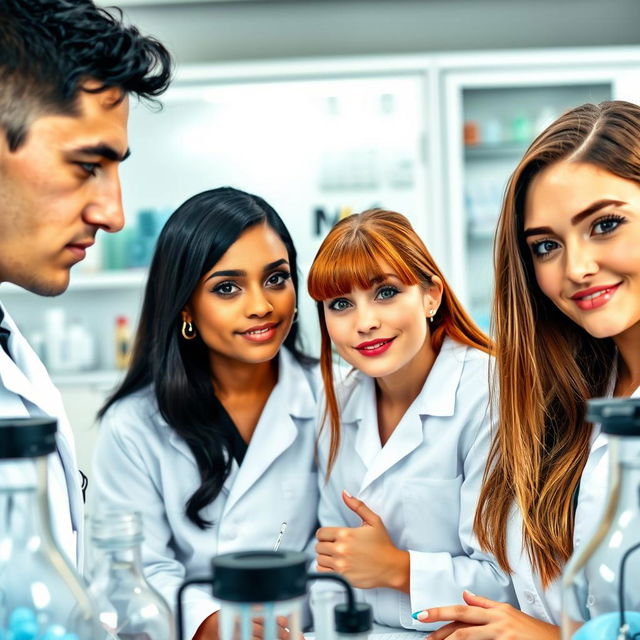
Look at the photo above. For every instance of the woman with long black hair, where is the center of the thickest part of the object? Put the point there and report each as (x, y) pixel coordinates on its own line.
(211, 433)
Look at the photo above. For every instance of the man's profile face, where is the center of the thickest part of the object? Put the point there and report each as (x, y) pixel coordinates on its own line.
(58, 188)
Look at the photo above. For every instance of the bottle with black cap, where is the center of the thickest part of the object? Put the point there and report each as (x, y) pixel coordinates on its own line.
(41, 595)
(268, 588)
(601, 583)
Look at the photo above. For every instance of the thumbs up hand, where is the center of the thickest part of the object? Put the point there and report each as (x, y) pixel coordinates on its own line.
(365, 555)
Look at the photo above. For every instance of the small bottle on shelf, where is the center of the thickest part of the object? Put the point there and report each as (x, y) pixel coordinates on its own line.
(123, 342)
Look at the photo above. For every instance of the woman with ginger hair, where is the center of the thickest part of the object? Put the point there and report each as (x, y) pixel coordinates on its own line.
(404, 438)
(567, 320)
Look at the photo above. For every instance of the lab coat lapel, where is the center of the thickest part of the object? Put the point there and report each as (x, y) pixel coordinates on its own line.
(277, 428)
(27, 377)
(364, 419)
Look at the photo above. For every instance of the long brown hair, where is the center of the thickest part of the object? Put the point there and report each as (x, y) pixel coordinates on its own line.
(352, 255)
(547, 365)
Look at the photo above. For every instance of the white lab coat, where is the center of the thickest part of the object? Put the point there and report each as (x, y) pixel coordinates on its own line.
(27, 390)
(546, 604)
(423, 483)
(143, 465)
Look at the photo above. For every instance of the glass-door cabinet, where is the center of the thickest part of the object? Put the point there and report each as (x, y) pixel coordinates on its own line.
(493, 112)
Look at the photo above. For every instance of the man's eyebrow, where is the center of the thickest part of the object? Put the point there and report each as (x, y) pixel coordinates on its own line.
(104, 150)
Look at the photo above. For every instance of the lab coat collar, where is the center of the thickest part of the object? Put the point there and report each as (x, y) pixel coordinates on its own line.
(25, 375)
(291, 400)
(437, 398)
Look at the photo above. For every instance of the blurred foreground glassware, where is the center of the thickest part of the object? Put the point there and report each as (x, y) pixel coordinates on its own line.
(128, 606)
(601, 584)
(41, 595)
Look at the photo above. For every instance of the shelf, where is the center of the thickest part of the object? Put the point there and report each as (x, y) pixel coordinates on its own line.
(102, 378)
(99, 280)
(484, 151)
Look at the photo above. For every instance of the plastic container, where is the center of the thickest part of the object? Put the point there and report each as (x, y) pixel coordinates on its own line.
(269, 587)
(41, 595)
(601, 584)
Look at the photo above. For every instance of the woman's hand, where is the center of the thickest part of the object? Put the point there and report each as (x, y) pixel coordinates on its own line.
(365, 555)
(485, 619)
(209, 629)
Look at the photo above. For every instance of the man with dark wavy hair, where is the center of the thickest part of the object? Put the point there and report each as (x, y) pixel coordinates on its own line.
(67, 69)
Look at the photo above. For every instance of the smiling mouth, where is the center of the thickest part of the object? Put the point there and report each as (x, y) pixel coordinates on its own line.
(258, 332)
(372, 346)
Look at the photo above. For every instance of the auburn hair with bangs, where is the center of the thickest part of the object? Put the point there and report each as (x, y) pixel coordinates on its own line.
(350, 257)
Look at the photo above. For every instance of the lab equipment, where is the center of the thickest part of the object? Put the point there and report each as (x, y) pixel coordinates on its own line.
(268, 588)
(278, 541)
(41, 596)
(601, 584)
(128, 607)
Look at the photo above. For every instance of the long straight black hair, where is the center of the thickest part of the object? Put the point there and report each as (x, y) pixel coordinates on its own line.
(194, 238)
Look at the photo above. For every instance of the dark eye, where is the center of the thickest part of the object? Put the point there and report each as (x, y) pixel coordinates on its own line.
(387, 292)
(607, 225)
(339, 304)
(543, 248)
(89, 167)
(277, 279)
(226, 288)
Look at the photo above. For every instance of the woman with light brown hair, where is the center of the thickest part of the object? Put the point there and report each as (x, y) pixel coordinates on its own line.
(567, 326)
(405, 437)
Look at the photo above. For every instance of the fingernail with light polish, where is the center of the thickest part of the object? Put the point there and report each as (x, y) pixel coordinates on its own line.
(346, 493)
(420, 615)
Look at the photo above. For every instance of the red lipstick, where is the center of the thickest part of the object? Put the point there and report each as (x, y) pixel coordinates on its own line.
(594, 297)
(374, 347)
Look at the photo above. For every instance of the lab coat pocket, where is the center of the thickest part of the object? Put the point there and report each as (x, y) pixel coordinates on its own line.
(432, 514)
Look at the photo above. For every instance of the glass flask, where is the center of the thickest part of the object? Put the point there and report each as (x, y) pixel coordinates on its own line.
(41, 595)
(128, 607)
(601, 583)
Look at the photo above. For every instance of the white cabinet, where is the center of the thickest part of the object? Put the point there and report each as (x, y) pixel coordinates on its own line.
(495, 104)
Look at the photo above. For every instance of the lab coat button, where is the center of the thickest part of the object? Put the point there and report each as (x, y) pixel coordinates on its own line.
(530, 597)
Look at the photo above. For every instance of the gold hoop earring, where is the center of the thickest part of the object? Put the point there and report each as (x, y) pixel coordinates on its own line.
(188, 332)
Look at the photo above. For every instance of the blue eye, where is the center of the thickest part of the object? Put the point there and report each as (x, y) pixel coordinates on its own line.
(387, 292)
(543, 248)
(339, 304)
(606, 225)
(227, 288)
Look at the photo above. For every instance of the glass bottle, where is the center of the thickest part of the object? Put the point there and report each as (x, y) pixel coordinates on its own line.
(41, 595)
(128, 606)
(601, 583)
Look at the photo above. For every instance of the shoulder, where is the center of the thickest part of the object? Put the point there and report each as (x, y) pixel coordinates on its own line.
(476, 365)
(135, 416)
